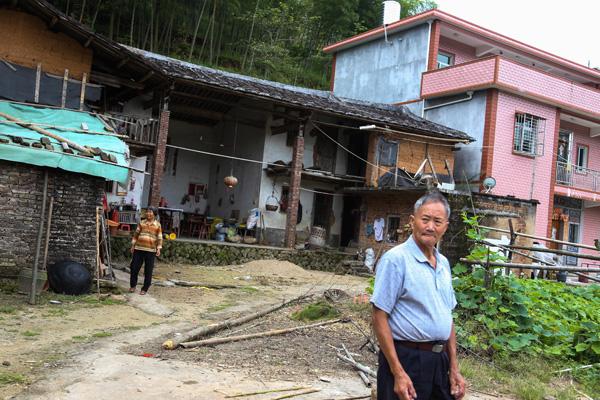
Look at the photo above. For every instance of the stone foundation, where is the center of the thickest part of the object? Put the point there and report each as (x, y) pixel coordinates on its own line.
(213, 254)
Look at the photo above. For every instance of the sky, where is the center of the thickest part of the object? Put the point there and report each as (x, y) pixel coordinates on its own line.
(570, 29)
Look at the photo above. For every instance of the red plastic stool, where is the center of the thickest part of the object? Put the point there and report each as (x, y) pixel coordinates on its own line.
(125, 227)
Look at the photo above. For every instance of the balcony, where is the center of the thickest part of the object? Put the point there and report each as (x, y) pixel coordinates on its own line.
(577, 177)
(510, 76)
(141, 132)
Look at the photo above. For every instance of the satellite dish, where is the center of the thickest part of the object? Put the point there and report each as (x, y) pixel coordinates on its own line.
(488, 184)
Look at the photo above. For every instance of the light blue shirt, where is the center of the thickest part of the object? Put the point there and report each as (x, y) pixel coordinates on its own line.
(418, 298)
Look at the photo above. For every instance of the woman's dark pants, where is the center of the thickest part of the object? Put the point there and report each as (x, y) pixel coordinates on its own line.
(427, 370)
(142, 257)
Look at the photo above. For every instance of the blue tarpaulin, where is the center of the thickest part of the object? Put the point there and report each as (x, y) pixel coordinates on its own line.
(82, 128)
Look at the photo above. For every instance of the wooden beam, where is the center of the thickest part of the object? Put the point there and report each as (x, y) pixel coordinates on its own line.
(146, 77)
(290, 126)
(63, 99)
(82, 94)
(203, 98)
(38, 78)
(114, 81)
(123, 62)
(196, 112)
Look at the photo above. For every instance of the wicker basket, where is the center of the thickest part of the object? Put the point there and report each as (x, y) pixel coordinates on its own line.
(271, 207)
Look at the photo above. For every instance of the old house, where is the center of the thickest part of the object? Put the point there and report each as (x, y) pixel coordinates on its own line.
(535, 115)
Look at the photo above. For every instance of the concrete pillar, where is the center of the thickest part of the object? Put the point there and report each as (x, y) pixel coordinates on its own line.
(294, 192)
(158, 159)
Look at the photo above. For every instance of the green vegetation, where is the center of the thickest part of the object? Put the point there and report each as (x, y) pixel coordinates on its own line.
(101, 334)
(30, 333)
(279, 40)
(6, 378)
(8, 310)
(220, 307)
(249, 289)
(316, 311)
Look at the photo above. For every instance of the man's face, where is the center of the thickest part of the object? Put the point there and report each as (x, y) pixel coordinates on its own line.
(149, 215)
(429, 224)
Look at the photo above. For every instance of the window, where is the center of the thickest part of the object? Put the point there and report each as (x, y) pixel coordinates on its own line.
(582, 157)
(444, 60)
(387, 152)
(394, 228)
(529, 134)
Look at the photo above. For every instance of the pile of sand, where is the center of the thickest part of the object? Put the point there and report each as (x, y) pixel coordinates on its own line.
(273, 268)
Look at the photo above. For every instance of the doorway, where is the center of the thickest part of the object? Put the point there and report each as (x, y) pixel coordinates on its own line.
(350, 220)
(323, 211)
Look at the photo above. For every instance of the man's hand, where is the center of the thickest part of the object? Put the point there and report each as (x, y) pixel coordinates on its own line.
(403, 387)
(457, 384)
(132, 249)
(157, 252)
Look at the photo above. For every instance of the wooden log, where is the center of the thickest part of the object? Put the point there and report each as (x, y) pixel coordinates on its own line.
(556, 251)
(44, 132)
(287, 396)
(530, 266)
(215, 341)
(207, 285)
(358, 365)
(199, 332)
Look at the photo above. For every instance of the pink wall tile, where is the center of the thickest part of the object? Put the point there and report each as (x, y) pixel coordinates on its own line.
(514, 173)
(468, 75)
(591, 229)
(462, 52)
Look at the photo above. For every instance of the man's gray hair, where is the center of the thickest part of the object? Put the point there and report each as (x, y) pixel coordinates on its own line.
(433, 197)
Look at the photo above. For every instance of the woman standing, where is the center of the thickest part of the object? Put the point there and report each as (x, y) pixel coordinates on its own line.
(145, 245)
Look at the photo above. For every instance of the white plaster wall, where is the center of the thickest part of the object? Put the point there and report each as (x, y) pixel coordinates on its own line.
(249, 144)
(191, 167)
(134, 196)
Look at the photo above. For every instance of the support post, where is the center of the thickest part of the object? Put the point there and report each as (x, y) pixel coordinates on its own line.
(158, 158)
(294, 192)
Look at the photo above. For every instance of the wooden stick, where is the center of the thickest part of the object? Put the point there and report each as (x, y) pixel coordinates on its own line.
(581, 245)
(555, 251)
(207, 285)
(199, 332)
(82, 93)
(98, 251)
(267, 391)
(368, 396)
(287, 396)
(38, 78)
(48, 233)
(215, 341)
(45, 133)
(531, 266)
(357, 365)
(63, 99)
(362, 375)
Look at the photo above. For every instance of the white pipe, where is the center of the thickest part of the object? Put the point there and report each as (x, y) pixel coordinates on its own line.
(426, 62)
(469, 97)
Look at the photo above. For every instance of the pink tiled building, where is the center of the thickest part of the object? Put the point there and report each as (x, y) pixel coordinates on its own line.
(535, 115)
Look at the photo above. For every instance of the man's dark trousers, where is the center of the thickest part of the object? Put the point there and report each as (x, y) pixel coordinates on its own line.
(427, 370)
(142, 257)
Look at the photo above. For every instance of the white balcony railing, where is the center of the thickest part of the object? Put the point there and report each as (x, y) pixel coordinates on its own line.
(577, 177)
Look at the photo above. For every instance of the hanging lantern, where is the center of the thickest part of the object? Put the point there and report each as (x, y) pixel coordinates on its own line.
(230, 181)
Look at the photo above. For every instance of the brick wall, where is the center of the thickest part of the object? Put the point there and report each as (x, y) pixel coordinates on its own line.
(158, 158)
(514, 173)
(454, 79)
(498, 210)
(410, 156)
(27, 41)
(73, 227)
(461, 52)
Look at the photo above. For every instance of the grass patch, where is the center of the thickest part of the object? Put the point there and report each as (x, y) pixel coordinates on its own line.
(316, 311)
(220, 307)
(79, 338)
(30, 333)
(8, 310)
(249, 289)
(102, 334)
(6, 378)
(524, 377)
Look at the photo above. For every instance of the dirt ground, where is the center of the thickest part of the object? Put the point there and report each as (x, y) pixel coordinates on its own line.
(84, 348)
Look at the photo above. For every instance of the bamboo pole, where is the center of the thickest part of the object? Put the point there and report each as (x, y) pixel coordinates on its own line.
(530, 266)
(361, 374)
(231, 396)
(358, 366)
(44, 132)
(287, 396)
(47, 242)
(199, 332)
(215, 341)
(34, 271)
(561, 252)
(581, 245)
(202, 284)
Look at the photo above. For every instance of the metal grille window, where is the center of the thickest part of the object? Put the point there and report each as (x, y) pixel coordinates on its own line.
(529, 134)
(388, 152)
(444, 60)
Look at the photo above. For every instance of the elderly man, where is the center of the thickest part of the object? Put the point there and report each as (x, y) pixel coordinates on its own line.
(412, 312)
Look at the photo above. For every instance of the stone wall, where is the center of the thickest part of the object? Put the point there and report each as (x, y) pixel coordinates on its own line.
(209, 254)
(73, 227)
